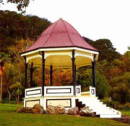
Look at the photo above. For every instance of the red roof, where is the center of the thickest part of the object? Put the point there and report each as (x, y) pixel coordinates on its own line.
(60, 34)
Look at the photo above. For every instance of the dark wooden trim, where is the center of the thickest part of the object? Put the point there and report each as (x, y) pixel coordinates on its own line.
(73, 71)
(43, 71)
(34, 90)
(26, 72)
(58, 92)
(31, 75)
(51, 75)
(75, 74)
(94, 71)
(61, 99)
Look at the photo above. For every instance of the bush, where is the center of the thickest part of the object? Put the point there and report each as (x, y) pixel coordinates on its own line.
(124, 106)
(85, 79)
(55, 109)
(115, 104)
(73, 111)
(37, 109)
(24, 110)
(86, 111)
(109, 102)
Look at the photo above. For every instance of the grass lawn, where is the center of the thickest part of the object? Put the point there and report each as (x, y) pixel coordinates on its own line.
(8, 117)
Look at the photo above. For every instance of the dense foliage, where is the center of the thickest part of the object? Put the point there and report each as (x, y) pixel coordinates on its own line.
(14, 27)
(17, 32)
(116, 68)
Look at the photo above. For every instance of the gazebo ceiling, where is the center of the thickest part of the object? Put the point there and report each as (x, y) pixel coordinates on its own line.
(62, 61)
(60, 35)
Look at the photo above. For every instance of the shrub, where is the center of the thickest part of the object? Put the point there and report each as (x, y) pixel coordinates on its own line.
(124, 106)
(55, 109)
(86, 111)
(24, 110)
(37, 109)
(109, 102)
(73, 111)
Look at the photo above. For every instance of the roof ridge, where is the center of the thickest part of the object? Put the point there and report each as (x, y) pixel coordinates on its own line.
(67, 32)
(50, 33)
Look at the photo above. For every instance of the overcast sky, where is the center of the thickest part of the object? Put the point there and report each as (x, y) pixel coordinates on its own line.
(94, 19)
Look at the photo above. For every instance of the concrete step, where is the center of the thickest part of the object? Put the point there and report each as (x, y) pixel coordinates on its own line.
(110, 116)
(99, 107)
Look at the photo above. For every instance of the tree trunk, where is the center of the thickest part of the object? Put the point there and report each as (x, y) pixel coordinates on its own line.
(9, 96)
(18, 99)
(1, 88)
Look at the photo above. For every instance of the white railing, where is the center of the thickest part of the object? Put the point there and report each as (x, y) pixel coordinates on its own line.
(92, 90)
(58, 90)
(33, 92)
(78, 90)
(53, 91)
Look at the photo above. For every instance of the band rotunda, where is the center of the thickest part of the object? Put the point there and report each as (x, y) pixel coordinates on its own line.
(60, 45)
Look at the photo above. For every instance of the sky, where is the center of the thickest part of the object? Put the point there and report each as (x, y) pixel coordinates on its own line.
(94, 19)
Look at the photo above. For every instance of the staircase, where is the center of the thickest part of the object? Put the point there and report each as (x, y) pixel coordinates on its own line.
(99, 107)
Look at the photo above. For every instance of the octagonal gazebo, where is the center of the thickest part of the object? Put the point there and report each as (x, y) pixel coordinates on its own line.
(60, 45)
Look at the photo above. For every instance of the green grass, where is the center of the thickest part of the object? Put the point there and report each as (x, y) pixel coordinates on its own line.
(8, 117)
(126, 112)
(9, 107)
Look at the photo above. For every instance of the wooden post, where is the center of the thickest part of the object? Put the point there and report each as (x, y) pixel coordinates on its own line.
(94, 71)
(73, 72)
(31, 75)
(26, 73)
(43, 71)
(51, 75)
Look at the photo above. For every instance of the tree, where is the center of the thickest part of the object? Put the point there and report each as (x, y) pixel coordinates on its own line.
(106, 49)
(3, 58)
(16, 90)
(121, 88)
(1, 79)
(12, 73)
(21, 28)
(85, 79)
(15, 37)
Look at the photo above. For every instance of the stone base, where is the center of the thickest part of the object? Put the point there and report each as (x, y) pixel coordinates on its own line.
(66, 102)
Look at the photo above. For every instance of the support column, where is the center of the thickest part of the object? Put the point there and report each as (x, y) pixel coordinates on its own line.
(26, 72)
(73, 72)
(51, 75)
(94, 71)
(43, 71)
(31, 75)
